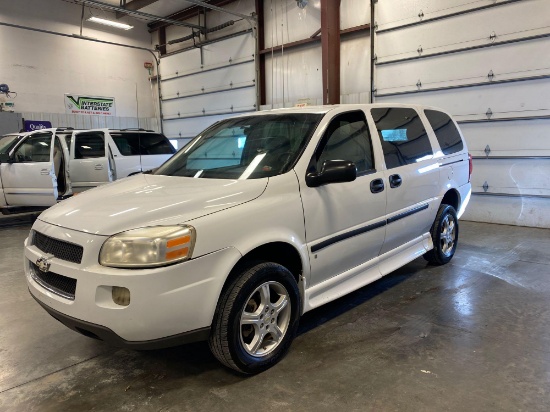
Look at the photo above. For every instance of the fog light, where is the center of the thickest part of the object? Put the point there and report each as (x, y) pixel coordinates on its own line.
(121, 296)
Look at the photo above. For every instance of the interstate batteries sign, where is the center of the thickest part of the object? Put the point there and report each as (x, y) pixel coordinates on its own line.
(90, 105)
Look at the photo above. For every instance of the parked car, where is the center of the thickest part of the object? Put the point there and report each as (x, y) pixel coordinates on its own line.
(43, 167)
(258, 220)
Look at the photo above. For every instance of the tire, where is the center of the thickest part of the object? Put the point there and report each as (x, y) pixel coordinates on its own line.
(444, 233)
(256, 318)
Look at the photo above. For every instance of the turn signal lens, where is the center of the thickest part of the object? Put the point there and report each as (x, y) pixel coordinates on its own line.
(148, 247)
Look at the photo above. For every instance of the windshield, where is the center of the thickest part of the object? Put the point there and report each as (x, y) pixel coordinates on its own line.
(7, 142)
(249, 147)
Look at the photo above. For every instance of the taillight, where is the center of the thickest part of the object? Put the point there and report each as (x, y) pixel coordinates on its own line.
(471, 167)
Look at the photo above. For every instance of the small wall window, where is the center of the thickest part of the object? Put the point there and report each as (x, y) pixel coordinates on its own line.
(34, 149)
(348, 138)
(89, 145)
(446, 132)
(403, 136)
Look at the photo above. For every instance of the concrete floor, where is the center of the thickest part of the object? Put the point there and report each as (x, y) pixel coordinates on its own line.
(473, 335)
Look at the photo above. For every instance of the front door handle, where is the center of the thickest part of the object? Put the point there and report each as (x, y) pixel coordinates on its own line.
(99, 167)
(44, 172)
(377, 186)
(395, 181)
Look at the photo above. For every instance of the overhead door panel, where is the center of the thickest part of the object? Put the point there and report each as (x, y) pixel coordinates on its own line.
(200, 87)
(491, 70)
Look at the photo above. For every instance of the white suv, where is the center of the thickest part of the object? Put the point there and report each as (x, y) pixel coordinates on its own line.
(40, 168)
(259, 219)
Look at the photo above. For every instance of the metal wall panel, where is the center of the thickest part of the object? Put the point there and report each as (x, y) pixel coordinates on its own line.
(295, 75)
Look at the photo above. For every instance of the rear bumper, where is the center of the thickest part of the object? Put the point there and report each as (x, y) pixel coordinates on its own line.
(106, 335)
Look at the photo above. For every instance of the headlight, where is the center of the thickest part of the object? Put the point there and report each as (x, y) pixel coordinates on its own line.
(148, 247)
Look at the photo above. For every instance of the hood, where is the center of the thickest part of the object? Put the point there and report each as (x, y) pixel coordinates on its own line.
(149, 200)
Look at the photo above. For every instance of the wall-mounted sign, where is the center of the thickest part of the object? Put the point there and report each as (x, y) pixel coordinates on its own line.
(32, 125)
(90, 105)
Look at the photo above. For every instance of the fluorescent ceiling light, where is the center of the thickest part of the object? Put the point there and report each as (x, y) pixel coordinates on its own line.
(110, 23)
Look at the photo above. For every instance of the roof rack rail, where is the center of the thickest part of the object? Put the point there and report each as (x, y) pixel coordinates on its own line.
(134, 129)
(64, 128)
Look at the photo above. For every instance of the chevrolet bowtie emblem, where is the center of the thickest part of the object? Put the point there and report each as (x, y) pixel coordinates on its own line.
(43, 263)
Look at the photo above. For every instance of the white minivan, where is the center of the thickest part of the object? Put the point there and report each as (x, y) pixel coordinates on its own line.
(40, 168)
(259, 219)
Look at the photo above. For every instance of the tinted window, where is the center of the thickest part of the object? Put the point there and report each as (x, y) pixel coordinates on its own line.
(248, 147)
(347, 138)
(89, 145)
(134, 144)
(403, 136)
(35, 148)
(445, 130)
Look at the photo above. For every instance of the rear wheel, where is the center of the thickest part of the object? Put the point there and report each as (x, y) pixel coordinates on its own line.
(444, 236)
(256, 318)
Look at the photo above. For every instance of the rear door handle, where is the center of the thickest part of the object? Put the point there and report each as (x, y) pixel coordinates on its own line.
(44, 172)
(377, 186)
(99, 167)
(395, 181)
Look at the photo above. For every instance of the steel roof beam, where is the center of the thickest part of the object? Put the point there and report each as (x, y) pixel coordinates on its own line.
(134, 6)
(137, 14)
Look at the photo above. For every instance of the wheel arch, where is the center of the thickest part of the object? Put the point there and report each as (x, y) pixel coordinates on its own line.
(452, 197)
(279, 252)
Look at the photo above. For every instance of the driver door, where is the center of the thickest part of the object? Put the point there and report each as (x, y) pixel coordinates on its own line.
(89, 163)
(30, 179)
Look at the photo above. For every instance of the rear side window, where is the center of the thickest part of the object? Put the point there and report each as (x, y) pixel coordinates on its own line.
(134, 144)
(446, 132)
(89, 145)
(403, 136)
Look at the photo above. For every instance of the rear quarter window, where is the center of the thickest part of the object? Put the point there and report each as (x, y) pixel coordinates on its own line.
(446, 132)
(135, 144)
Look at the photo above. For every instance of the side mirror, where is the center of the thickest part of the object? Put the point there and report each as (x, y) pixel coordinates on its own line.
(333, 171)
(5, 158)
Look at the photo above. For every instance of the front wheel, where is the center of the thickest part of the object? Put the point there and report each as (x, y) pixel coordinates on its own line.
(444, 236)
(256, 318)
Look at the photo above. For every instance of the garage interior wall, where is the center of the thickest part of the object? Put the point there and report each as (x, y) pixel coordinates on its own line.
(488, 64)
(294, 76)
(41, 68)
(475, 59)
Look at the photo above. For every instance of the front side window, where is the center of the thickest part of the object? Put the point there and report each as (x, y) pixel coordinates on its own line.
(403, 136)
(7, 142)
(446, 132)
(348, 138)
(248, 147)
(89, 145)
(136, 143)
(34, 149)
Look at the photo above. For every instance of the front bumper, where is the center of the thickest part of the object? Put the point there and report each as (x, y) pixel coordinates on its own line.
(164, 302)
(108, 336)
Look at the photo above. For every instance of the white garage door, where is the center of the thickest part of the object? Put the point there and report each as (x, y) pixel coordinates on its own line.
(200, 87)
(488, 63)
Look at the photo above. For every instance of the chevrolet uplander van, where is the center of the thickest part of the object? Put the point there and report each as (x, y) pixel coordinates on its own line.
(40, 168)
(259, 219)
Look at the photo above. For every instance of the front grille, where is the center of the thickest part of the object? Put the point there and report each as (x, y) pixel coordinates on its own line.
(61, 250)
(58, 284)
